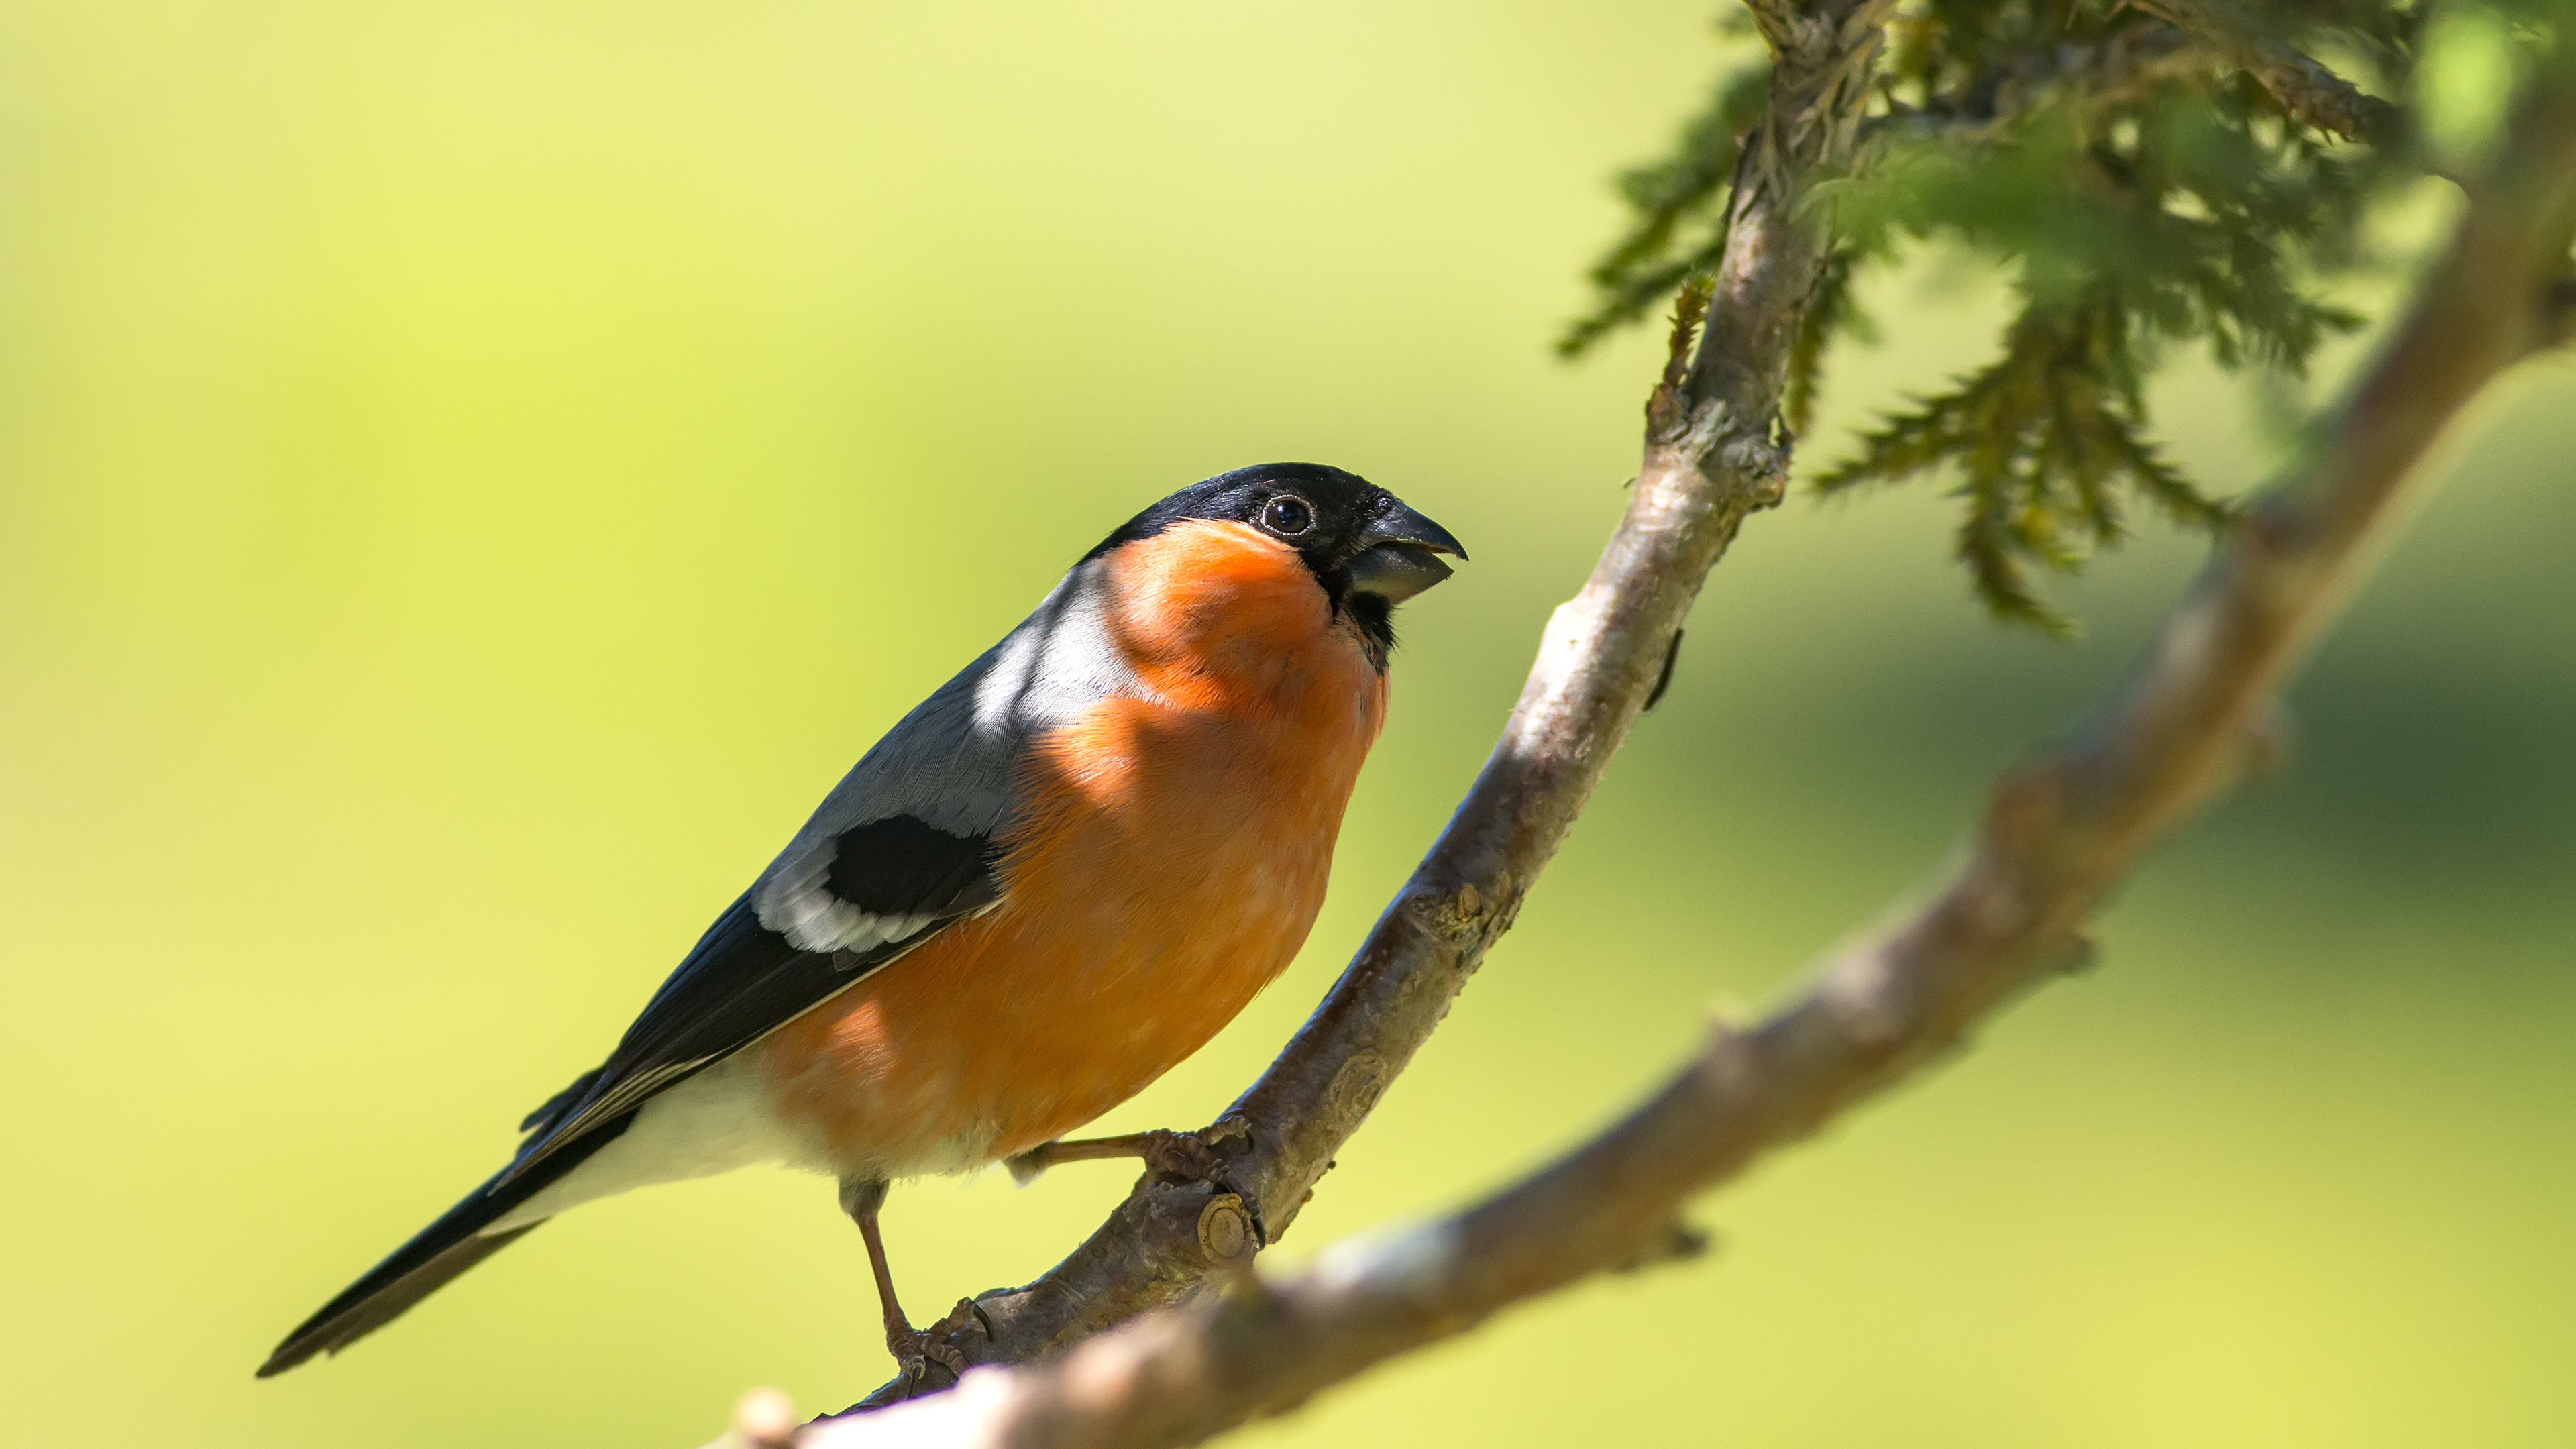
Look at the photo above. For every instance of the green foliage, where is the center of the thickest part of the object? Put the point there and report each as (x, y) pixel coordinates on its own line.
(1679, 202)
(2045, 438)
(2133, 190)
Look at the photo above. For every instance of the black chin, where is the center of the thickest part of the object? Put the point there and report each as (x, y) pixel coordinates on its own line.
(1375, 618)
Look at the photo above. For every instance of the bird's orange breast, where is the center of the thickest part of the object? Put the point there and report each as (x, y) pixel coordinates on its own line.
(1168, 858)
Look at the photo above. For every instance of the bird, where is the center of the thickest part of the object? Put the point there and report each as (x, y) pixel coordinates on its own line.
(1049, 883)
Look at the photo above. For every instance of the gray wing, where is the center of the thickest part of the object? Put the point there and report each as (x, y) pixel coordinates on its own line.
(906, 845)
(953, 765)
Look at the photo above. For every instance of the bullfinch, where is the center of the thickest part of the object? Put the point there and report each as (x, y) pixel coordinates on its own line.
(1048, 884)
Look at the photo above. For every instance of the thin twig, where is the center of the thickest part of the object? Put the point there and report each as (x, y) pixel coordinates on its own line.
(2304, 87)
(2119, 69)
(2060, 832)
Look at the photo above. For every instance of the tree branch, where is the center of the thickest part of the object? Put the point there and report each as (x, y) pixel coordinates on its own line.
(2117, 69)
(2195, 38)
(2305, 88)
(2061, 830)
(1714, 453)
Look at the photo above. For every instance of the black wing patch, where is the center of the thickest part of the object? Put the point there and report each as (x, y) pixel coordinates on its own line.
(743, 981)
(901, 866)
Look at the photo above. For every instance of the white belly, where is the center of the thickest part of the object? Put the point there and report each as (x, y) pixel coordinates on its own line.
(714, 1122)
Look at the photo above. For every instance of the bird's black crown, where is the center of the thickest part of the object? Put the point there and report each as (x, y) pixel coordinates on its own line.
(1366, 550)
(1336, 505)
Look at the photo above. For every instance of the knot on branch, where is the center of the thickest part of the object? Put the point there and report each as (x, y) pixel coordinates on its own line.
(1228, 1237)
(1873, 1003)
(1760, 464)
(1354, 1092)
(1464, 916)
(1729, 447)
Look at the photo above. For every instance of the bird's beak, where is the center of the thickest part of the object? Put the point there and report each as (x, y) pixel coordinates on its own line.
(1397, 554)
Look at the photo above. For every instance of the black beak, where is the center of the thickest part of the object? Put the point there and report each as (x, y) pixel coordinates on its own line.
(1396, 558)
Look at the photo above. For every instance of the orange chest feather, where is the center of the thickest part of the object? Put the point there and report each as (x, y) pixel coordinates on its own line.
(1170, 853)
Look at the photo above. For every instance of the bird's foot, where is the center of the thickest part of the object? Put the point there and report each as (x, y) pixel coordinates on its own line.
(1201, 1162)
(1193, 1156)
(1179, 1156)
(921, 1353)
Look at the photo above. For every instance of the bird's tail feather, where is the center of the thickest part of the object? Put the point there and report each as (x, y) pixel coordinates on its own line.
(447, 1247)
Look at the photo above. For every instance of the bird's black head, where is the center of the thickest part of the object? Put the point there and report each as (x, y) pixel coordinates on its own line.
(1366, 549)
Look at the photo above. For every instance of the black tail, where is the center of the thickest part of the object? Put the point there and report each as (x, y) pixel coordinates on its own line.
(439, 1252)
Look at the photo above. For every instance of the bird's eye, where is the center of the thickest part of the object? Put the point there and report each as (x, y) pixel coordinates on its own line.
(1287, 515)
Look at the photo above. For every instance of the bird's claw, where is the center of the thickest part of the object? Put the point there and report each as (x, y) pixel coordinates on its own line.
(1194, 1158)
(919, 1348)
(917, 1357)
(1191, 1156)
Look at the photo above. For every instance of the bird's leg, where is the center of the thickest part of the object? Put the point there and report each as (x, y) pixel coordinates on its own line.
(861, 1197)
(1191, 1156)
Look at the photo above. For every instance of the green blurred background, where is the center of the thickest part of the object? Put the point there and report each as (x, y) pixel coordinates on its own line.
(471, 473)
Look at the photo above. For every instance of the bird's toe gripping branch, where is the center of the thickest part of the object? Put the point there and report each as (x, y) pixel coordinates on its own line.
(1231, 1228)
(933, 1350)
(1190, 1201)
(1205, 1155)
